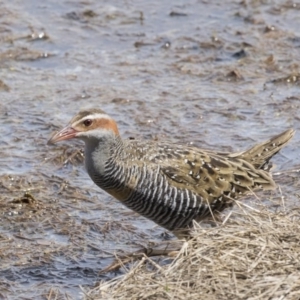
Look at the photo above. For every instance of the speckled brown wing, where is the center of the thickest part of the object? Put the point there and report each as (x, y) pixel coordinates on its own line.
(226, 176)
(215, 177)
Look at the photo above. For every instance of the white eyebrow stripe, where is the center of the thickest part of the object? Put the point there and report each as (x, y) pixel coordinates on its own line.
(93, 117)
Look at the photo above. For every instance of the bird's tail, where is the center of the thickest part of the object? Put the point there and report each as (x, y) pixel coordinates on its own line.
(260, 155)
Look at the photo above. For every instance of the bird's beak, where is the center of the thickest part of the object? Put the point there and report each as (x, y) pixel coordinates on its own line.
(65, 134)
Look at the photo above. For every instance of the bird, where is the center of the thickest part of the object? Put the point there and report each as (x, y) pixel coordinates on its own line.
(169, 183)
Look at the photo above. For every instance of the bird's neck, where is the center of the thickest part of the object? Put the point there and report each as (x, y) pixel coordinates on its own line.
(98, 152)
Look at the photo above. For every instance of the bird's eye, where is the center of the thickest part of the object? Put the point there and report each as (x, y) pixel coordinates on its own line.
(87, 122)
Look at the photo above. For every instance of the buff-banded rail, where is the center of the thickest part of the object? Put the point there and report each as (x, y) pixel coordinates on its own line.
(168, 183)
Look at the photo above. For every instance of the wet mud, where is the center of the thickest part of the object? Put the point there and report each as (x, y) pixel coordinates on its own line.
(221, 75)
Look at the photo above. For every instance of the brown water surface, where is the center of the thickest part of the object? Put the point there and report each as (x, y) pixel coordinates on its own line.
(218, 74)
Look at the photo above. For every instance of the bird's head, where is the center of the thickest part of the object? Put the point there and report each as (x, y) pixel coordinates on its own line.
(86, 125)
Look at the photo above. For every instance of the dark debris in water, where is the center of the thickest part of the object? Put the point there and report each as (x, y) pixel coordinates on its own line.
(140, 44)
(234, 75)
(231, 76)
(4, 87)
(23, 54)
(290, 79)
(239, 54)
(177, 14)
(82, 16)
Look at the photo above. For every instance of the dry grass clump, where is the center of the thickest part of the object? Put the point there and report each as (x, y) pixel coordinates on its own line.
(252, 256)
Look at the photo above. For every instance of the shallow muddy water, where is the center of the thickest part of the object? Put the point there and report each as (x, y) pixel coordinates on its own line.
(220, 75)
